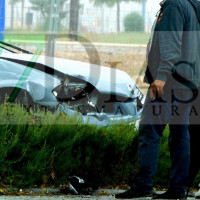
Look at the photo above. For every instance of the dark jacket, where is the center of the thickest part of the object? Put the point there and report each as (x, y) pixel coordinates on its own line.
(175, 51)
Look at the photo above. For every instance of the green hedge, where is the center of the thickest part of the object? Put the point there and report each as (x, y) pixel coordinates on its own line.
(37, 145)
(134, 22)
(34, 146)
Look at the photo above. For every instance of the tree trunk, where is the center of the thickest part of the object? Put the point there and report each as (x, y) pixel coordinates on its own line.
(22, 14)
(118, 16)
(74, 18)
(12, 16)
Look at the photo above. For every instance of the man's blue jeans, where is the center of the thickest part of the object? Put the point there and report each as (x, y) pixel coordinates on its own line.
(156, 115)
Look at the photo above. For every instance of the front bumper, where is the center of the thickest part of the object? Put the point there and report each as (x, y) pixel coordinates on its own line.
(102, 119)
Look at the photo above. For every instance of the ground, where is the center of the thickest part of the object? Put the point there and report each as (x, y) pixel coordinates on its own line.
(65, 198)
(100, 194)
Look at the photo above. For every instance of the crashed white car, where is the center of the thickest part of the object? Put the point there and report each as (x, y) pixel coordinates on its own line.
(98, 94)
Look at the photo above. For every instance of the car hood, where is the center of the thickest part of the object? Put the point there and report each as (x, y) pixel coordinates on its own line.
(105, 79)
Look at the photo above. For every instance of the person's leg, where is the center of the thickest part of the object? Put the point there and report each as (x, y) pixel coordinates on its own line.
(179, 143)
(179, 146)
(155, 116)
(153, 121)
(194, 130)
(148, 147)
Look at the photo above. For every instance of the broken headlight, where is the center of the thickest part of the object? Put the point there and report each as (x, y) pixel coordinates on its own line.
(79, 95)
(70, 90)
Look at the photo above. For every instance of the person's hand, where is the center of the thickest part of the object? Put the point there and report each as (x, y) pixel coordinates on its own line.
(156, 89)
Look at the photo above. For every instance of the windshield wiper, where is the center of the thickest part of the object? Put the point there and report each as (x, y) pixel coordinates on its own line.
(17, 48)
(7, 49)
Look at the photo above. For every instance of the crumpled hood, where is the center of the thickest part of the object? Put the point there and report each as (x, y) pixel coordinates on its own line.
(105, 79)
(196, 6)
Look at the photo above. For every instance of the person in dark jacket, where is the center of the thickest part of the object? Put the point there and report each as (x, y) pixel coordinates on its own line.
(173, 73)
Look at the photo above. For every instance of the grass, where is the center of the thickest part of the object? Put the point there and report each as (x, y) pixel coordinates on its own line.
(121, 38)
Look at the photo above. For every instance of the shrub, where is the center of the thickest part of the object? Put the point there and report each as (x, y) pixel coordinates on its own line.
(134, 22)
(34, 146)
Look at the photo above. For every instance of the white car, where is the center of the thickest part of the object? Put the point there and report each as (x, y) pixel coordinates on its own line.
(99, 94)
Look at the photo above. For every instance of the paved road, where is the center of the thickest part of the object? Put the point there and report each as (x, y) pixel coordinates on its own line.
(65, 198)
(56, 198)
(101, 194)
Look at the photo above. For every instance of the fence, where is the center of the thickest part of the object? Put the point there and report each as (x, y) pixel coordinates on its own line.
(28, 17)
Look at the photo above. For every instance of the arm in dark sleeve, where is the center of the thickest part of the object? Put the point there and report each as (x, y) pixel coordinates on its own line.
(170, 31)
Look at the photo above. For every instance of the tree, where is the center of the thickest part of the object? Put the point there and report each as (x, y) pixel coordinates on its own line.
(45, 8)
(74, 18)
(12, 3)
(111, 3)
(22, 7)
(134, 22)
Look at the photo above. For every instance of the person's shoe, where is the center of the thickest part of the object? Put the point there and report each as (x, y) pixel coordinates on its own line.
(132, 193)
(170, 195)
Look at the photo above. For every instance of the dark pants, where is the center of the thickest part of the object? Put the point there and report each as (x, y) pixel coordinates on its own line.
(194, 130)
(156, 115)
